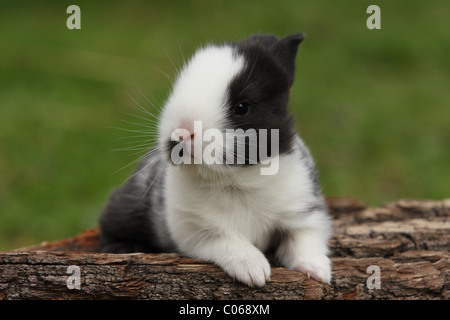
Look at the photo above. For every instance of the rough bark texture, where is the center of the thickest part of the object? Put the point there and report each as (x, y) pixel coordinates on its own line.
(407, 240)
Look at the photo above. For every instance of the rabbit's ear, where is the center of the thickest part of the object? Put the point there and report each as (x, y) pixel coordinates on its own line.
(285, 51)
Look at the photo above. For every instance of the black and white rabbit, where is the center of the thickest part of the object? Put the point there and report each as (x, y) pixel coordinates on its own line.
(223, 210)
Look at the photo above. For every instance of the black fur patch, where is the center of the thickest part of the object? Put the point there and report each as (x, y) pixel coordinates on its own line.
(128, 222)
(264, 84)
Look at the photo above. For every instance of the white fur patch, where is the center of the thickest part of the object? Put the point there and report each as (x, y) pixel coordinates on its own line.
(200, 90)
(230, 218)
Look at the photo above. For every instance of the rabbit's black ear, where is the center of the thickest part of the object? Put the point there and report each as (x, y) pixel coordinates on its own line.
(285, 51)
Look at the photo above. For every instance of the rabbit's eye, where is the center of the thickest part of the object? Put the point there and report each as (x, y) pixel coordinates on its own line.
(241, 108)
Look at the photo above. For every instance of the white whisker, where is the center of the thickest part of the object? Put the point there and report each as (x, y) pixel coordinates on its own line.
(172, 79)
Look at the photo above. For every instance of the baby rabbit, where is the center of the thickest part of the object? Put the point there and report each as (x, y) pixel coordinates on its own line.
(230, 178)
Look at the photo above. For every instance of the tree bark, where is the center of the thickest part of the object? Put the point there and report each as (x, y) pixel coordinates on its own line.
(395, 251)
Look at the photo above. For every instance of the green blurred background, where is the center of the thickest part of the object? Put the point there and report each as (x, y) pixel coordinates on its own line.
(373, 105)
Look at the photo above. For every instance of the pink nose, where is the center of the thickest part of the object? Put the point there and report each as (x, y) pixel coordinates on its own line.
(185, 130)
(184, 134)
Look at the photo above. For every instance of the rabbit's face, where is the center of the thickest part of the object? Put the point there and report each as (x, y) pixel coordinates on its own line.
(232, 98)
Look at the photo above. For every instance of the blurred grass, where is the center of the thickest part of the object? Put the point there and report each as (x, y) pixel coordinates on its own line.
(372, 105)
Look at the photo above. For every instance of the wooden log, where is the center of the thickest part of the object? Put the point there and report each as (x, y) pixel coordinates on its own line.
(405, 242)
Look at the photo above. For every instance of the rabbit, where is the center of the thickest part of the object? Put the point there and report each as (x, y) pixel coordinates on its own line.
(199, 197)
